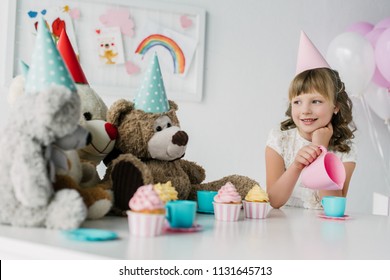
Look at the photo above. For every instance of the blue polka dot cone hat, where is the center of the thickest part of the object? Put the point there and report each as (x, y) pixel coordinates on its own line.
(24, 68)
(151, 97)
(47, 67)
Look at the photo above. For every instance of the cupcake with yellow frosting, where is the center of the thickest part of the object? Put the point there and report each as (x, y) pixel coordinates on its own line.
(166, 191)
(256, 203)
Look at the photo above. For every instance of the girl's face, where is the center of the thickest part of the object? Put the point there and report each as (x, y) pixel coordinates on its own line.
(311, 111)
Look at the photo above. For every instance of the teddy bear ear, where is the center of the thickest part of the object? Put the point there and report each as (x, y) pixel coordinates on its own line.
(173, 105)
(118, 110)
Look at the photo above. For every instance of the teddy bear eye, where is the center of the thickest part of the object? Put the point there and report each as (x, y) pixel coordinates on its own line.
(87, 116)
(162, 123)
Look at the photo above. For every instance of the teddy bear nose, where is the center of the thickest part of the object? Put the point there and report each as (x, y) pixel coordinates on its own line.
(180, 138)
(111, 130)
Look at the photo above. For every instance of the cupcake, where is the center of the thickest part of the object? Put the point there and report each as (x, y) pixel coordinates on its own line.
(227, 203)
(147, 212)
(166, 191)
(256, 203)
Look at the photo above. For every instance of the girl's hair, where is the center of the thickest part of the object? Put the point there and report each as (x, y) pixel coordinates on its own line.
(327, 82)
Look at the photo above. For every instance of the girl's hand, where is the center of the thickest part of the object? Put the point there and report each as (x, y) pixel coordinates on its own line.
(306, 155)
(322, 135)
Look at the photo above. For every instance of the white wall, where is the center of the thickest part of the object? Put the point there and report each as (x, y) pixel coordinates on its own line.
(251, 48)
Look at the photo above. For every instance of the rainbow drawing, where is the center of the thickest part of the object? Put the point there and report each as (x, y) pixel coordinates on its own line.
(177, 54)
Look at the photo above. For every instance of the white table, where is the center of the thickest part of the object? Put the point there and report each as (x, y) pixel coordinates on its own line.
(288, 233)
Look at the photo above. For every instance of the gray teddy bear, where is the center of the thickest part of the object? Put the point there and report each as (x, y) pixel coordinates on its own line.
(41, 124)
(27, 197)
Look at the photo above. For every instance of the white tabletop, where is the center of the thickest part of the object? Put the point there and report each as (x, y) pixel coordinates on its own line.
(288, 233)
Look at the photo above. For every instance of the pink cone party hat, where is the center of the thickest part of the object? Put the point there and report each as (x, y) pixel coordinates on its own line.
(66, 50)
(308, 56)
(47, 67)
(151, 97)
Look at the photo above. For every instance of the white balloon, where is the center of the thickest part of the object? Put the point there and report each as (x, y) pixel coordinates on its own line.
(378, 98)
(353, 57)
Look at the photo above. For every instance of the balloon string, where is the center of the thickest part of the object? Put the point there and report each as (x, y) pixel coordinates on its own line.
(388, 129)
(375, 140)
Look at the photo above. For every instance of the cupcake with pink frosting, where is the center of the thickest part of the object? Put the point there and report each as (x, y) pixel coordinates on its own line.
(227, 203)
(147, 212)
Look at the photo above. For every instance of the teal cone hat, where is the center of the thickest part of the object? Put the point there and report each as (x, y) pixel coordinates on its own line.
(47, 67)
(151, 97)
(24, 68)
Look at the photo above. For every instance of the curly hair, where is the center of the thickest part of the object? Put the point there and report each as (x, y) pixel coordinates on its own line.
(327, 82)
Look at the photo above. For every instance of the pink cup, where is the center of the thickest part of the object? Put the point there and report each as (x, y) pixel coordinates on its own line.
(327, 172)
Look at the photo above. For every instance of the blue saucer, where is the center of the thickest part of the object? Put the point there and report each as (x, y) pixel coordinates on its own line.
(194, 228)
(90, 234)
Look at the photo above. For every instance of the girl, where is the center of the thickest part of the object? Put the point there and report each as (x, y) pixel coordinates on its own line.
(319, 113)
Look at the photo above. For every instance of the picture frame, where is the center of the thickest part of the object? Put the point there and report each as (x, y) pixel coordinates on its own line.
(183, 24)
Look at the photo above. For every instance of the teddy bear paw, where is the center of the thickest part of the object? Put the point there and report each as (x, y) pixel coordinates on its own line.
(126, 179)
(66, 211)
(99, 209)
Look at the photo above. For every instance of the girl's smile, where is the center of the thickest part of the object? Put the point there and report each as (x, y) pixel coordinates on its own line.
(307, 121)
(311, 111)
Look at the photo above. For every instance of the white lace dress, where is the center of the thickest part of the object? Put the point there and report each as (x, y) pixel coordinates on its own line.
(287, 144)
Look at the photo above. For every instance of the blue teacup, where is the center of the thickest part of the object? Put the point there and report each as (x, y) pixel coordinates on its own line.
(334, 206)
(205, 201)
(181, 213)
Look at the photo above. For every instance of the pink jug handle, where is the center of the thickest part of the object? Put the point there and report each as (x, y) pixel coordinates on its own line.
(323, 149)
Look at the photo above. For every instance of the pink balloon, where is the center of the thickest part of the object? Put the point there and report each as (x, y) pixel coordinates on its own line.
(379, 80)
(382, 54)
(384, 23)
(374, 35)
(360, 27)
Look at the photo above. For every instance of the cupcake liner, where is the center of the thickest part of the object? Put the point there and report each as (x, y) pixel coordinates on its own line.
(141, 224)
(227, 212)
(255, 210)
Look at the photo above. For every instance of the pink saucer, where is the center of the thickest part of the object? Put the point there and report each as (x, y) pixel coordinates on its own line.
(194, 228)
(323, 216)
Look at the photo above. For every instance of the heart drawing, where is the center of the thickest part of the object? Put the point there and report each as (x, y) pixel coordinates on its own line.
(185, 21)
(131, 68)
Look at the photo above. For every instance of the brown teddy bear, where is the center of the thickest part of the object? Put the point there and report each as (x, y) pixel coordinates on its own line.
(150, 147)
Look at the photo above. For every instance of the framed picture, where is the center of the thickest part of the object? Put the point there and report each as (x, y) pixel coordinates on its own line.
(114, 40)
